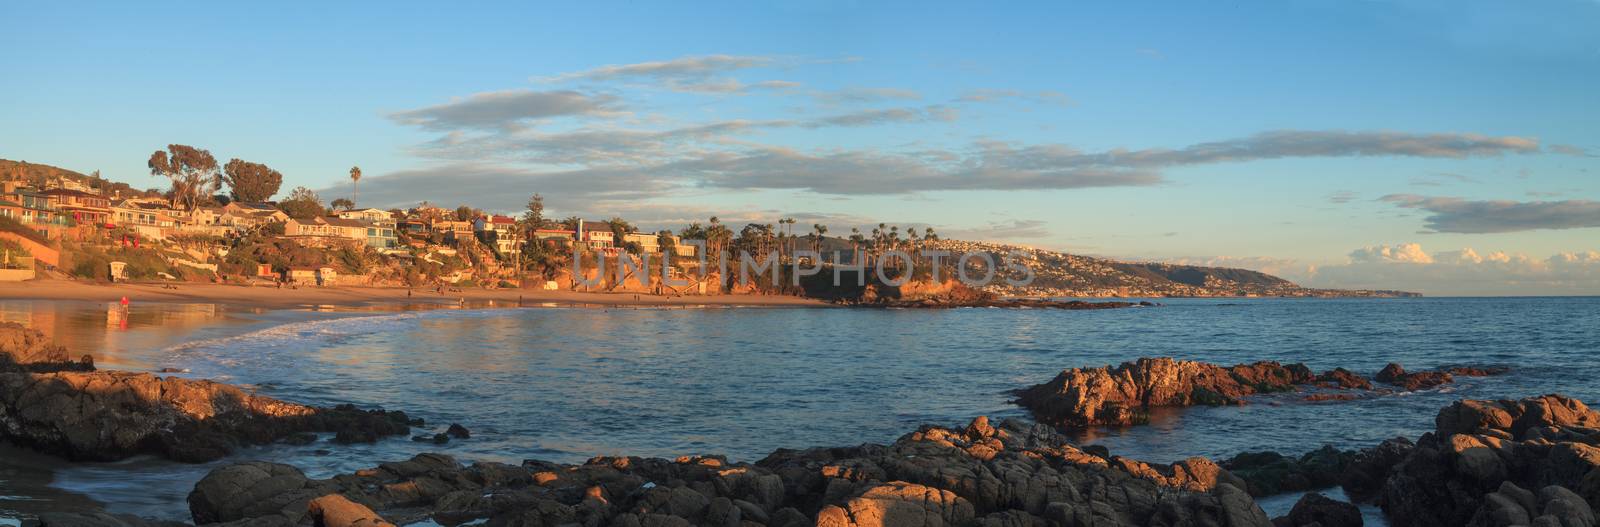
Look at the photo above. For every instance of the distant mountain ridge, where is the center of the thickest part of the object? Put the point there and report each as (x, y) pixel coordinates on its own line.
(1058, 274)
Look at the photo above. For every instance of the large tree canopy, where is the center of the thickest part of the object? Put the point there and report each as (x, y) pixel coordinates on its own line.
(302, 204)
(193, 173)
(251, 182)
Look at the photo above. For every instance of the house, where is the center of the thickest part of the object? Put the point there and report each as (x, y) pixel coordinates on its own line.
(499, 232)
(242, 216)
(317, 229)
(372, 215)
(651, 243)
(81, 206)
(36, 208)
(380, 226)
(148, 219)
(453, 231)
(382, 235)
(412, 226)
(595, 234)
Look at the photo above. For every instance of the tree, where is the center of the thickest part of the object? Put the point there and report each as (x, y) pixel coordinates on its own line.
(465, 213)
(533, 218)
(193, 173)
(355, 177)
(251, 182)
(620, 229)
(818, 232)
(342, 204)
(666, 243)
(302, 204)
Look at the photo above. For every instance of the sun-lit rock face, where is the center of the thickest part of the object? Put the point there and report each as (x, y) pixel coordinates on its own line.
(108, 415)
(26, 349)
(1474, 468)
(59, 406)
(1013, 473)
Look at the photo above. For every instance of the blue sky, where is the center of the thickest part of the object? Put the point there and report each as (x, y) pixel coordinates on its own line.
(1340, 143)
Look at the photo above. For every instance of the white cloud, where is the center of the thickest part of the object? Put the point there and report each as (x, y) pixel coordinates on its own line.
(1461, 272)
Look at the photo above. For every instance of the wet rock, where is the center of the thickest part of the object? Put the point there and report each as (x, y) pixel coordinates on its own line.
(457, 431)
(1009, 473)
(105, 416)
(898, 503)
(1482, 453)
(257, 491)
(1314, 509)
(1124, 395)
(1270, 473)
(23, 349)
(334, 510)
(1366, 474)
(1343, 379)
(1396, 375)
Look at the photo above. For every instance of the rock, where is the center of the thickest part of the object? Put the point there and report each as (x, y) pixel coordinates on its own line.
(1009, 473)
(1343, 379)
(1397, 375)
(1473, 467)
(1269, 473)
(1391, 373)
(1365, 475)
(457, 431)
(255, 491)
(333, 510)
(107, 416)
(1124, 395)
(1319, 510)
(23, 349)
(898, 503)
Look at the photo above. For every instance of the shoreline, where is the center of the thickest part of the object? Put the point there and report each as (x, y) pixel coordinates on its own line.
(356, 296)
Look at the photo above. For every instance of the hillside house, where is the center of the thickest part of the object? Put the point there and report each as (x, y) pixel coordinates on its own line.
(82, 207)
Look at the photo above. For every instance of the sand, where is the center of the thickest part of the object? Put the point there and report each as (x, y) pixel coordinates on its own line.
(272, 297)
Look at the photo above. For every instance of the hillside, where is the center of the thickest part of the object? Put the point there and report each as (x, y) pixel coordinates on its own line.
(36, 174)
(1067, 275)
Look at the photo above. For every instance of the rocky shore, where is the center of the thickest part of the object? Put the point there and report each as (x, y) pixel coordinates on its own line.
(1125, 394)
(1015, 303)
(1487, 464)
(1533, 461)
(64, 407)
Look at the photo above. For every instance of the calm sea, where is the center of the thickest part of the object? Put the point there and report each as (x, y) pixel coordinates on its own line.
(565, 384)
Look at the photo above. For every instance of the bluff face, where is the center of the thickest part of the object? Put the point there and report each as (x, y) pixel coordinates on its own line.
(1060, 274)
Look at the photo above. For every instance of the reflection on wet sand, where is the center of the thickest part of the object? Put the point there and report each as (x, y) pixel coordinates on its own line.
(108, 331)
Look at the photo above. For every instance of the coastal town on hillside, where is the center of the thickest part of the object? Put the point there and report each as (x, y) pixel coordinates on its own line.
(218, 225)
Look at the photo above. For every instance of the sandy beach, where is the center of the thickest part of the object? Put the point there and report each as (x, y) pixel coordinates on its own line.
(271, 297)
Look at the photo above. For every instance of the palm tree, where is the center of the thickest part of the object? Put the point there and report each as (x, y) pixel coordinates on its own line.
(355, 177)
(816, 240)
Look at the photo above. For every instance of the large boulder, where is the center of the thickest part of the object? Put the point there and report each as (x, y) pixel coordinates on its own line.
(1269, 473)
(1472, 467)
(898, 503)
(256, 491)
(1125, 394)
(26, 349)
(1317, 510)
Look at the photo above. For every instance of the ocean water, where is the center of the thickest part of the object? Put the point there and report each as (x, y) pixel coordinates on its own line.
(566, 384)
